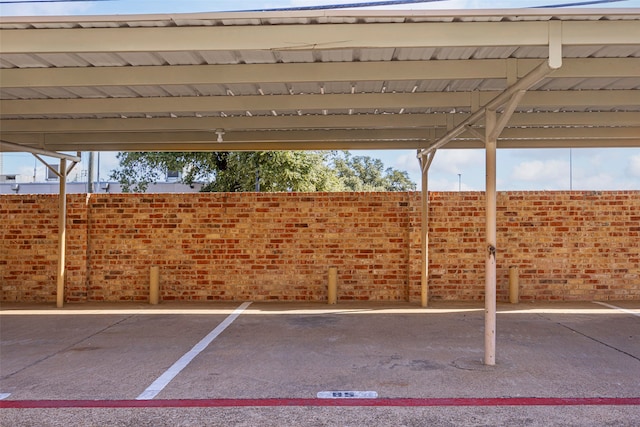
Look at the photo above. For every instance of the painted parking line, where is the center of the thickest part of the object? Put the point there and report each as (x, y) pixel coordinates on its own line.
(617, 308)
(4, 395)
(158, 385)
(401, 402)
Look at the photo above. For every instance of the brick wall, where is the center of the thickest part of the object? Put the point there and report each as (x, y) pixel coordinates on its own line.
(28, 247)
(266, 246)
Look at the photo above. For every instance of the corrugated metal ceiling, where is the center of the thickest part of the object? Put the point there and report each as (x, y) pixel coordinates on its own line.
(308, 94)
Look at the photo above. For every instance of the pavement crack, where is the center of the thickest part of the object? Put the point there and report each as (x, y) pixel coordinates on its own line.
(592, 338)
(67, 348)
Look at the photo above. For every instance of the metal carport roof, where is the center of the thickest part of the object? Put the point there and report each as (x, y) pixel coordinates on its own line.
(419, 80)
(316, 80)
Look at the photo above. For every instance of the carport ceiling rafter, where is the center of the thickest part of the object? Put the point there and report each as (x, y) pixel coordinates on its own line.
(225, 74)
(292, 103)
(336, 79)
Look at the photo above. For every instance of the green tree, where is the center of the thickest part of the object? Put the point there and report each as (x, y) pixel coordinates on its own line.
(273, 171)
(363, 173)
(230, 171)
(261, 171)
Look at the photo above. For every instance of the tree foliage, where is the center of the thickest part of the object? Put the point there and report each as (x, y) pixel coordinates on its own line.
(363, 173)
(261, 171)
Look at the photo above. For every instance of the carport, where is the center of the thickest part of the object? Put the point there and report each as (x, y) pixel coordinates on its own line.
(423, 80)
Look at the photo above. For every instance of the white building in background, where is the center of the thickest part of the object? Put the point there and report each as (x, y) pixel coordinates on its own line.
(44, 180)
(49, 183)
(12, 184)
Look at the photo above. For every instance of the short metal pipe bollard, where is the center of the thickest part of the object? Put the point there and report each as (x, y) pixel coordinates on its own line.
(332, 292)
(154, 285)
(514, 285)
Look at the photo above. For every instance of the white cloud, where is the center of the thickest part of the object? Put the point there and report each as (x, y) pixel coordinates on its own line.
(442, 184)
(444, 171)
(407, 162)
(541, 171)
(600, 181)
(593, 169)
(633, 168)
(458, 161)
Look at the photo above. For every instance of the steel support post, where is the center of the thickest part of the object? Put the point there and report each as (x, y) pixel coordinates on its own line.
(491, 242)
(424, 237)
(62, 234)
(425, 161)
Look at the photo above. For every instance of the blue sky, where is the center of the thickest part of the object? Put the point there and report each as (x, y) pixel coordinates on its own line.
(591, 169)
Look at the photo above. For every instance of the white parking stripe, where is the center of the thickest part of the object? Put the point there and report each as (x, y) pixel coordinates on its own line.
(158, 385)
(617, 308)
(4, 395)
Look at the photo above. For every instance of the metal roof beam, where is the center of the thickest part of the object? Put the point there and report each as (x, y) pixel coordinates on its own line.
(185, 145)
(159, 137)
(232, 103)
(250, 73)
(340, 102)
(158, 140)
(307, 37)
(361, 145)
(306, 72)
(378, 121)
(572, 133)
(597, 118)
(547, 143)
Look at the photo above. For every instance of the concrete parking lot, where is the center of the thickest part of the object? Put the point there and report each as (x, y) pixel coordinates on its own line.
(315, 364)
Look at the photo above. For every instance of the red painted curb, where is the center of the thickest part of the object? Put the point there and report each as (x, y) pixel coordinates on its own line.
(409, 402)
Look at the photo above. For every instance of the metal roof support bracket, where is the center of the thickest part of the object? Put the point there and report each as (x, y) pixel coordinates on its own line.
(540, 72)
(33, 150)
(48, 166)
(58, 173)
(509, 109)
(479, 135)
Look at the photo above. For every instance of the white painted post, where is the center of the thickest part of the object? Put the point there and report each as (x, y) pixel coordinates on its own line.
(425, 162)
(424, 234)
(62, 234)
(491, 241)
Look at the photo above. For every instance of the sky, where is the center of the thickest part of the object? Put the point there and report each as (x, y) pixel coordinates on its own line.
(451, 170)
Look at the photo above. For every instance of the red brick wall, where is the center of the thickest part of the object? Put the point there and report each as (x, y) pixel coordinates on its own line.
(28, 247)
(261, 246)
